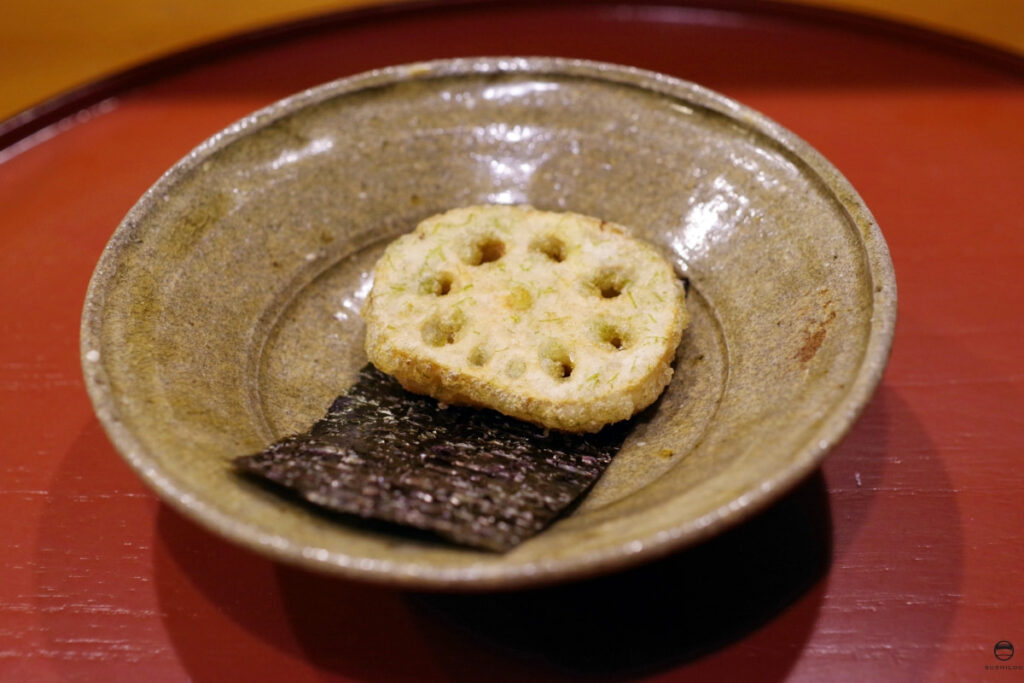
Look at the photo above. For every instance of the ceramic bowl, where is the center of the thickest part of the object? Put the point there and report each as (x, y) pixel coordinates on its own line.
(224, 313)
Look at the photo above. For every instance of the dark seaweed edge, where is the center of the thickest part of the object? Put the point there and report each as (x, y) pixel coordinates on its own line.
(327, 438)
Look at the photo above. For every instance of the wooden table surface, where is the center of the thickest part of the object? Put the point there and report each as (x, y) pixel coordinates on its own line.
(51, 46)
(899, 561)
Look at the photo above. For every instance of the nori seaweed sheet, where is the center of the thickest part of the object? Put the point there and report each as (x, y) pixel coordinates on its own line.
(472, 476)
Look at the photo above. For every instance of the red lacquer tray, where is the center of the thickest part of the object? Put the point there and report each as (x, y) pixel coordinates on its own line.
(900, 560)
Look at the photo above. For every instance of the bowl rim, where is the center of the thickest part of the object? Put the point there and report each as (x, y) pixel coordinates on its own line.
(829, 432)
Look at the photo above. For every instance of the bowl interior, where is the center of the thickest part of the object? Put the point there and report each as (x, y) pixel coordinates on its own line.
(225, 311)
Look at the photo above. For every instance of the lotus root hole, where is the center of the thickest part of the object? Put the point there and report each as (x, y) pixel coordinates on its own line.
(550, 246)
(519, 298)
(479, 356)
(612, 335)
(438, 285)
(557, 362)
(515, 368)
(486, 250)
(442, 330)
(610, 282)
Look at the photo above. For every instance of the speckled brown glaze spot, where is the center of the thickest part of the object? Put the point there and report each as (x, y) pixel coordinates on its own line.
(813, 338)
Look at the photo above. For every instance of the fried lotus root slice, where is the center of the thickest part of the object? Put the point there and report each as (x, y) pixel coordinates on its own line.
(559, 319)
(471, 476)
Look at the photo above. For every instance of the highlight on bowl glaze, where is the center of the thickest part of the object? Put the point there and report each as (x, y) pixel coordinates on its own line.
(224, 311)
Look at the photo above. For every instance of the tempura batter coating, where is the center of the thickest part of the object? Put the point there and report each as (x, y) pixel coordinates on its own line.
(558, 319)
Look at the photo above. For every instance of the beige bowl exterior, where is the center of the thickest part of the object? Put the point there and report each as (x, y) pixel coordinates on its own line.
(224, 312)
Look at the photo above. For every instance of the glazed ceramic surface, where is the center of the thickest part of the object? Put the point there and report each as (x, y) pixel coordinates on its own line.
(224, 313)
